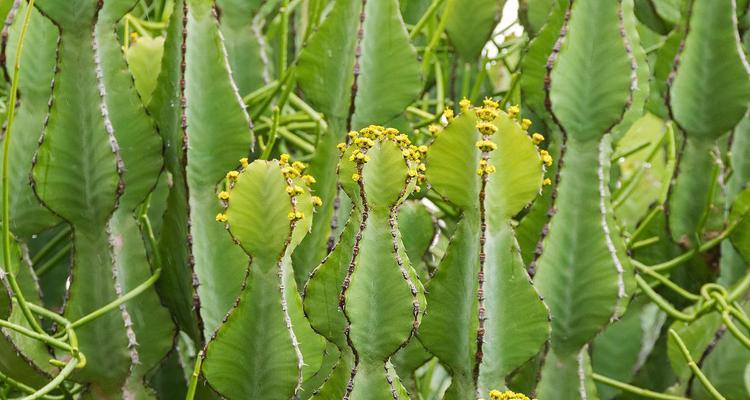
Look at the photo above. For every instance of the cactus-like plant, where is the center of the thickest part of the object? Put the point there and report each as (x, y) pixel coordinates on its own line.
(368, 276)
(265, 348)
(486, 317)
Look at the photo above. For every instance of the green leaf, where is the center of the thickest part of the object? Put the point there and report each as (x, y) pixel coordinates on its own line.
(740, 162)
(216, 135)
(471, 23)
(583, 273)
(144, 61)
(78, 175)
(711, 66)
(265, 347)
(567, 377)
(534, 62)
(28, 216)
(589, 95)
(515, 321)
(247, 50)
(697, 335)
(358, 69)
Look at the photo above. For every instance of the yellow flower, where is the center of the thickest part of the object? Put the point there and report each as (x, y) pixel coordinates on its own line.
(356, 177)
(341, 147)
(486, 114)
(299, 166)
(317, 201)
(422, 168)
(413, 173)
(525, 123)
(221, 217)
(353, 134)
(486, 145)
(290, 172)
(284, 159)
(495, 394)
(223, 195)
(390, 133)
(489, 103)
(243, 162)
(465, 104)
(448, 114)
(308, 179)
(434, 129)
(513, 111)
(295, 215)
(417, 189)
(546, 158)
(232, 175)
(547, 182)
(537, 138)
(422, 149)
(486, 128)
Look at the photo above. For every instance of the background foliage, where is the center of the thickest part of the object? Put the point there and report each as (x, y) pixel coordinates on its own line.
(581, 236)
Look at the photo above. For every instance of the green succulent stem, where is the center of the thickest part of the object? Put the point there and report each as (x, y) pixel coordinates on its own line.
(6, 175)
(25, 388)
(435, 40)
(426, 17)
(634, 389)
(193, 384)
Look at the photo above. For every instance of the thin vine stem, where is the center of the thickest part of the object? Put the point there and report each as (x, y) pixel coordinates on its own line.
(6, 175)
(634, 389)
(194, 377)
(694, 367)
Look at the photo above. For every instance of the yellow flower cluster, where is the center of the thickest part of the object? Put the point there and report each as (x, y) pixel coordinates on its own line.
(290, 171)
(546, 157)
(507, 395)
(366, 138)
(486, 126)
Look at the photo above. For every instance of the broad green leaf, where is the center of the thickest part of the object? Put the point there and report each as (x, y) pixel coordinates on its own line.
(640, 74)
(246, 47)
(583, 273)
(384, 299)
(265, 347)
(740, 153)
(515, 321)
(711, 66)
(358, 69)
(144, 61)
(78, 175)
(28, 216)
(534, 14)
(534, 62)
(471, 23)
(175, 284)
(567, 377)
(206, 131)
(588, 95)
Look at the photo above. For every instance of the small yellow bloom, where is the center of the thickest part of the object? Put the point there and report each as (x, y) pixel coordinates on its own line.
(513, 111)
(413, 173)
(308, 179)
(486, 128)
(316, 201)
(465, 104)
(448, 114)
(537, 138)
(486, 145)
(356, 177)
(434, 129)
(290, 172)
(422, 149)
(232, 175)
(290, 190)
(390, 133)
(299, 166)
(133, 36)
(284, 159)
(495, 394)
(244, 162)
(547, 182)
(295, 215)
(221, 217)
(486, 114)
(341, 147)
(422, 168)
(417, 189)
(223, 195)
(489, 103)
(353, 134)
(547, 160)
(525, 123)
